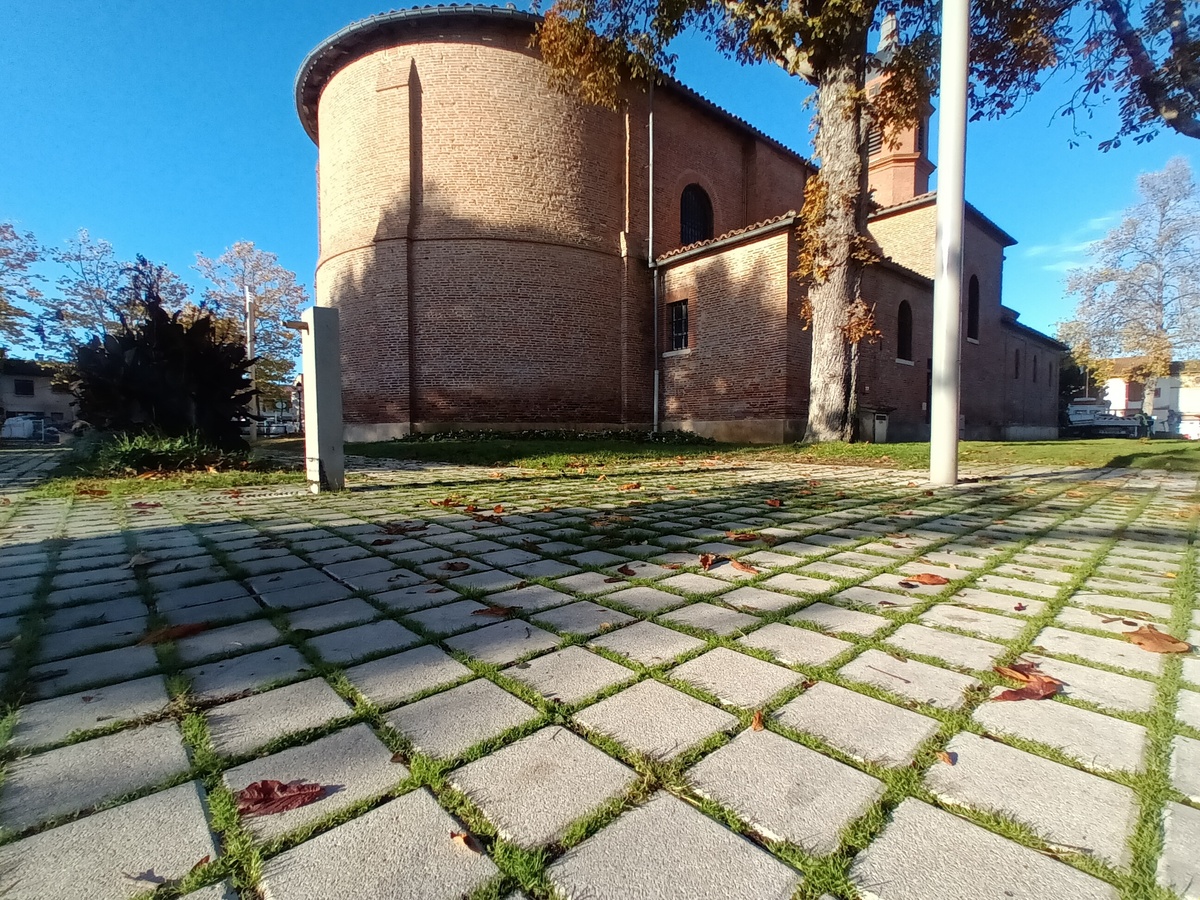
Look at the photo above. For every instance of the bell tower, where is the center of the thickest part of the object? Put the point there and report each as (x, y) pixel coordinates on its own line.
(899, 168)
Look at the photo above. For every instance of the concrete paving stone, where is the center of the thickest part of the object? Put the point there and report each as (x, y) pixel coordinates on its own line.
(735, 678)
(419, 596)
(870, 597)
(891, 581)
(339, 554)
(1178, 868)
(160, 836)
(451, 618)
(1191, 670)
(1109, 651)
(1185, 768)
(390, 680)
(187, 578)
(544, 568)
(221, 891)
(787, 792)
(1188, 708)
(62, 644)
(446, 724)
(532, 597)
(589, 584)
(1018, 585)
(117, 610)
(91, 593)
(860, 726)
(504, 642)
(837, 619)
(479, 546)
(793, 646)
(178, 563)
(286, 581)
(1005, 603)
(569, 675)
(648, 643)
(1063, 805)
(1136, 606)
(87, 577)
(534, 789)
(400, 849)
(597, 558)
(928, 854)
(1140, 586)
(955, 649)
(247, 724)
(648, 600)
(107, 666)
(368, 565)
(228, 641)
(954, 561)
(710, 617)
(200, 595)
(488, 582)
(352, 764)
(222, 611)
(915, 680)
(584, 618)
(656, 720)
(752, 599)
(507, 558)
(387, 580)
(333, 615)
(361, 641)
(1075, 617)
(669, 850)
(831, 571)
(798, 584)
(1096, 740)
(251, 671)
(1034, 573)
(987, 624)
(694, 583)
(48, 785)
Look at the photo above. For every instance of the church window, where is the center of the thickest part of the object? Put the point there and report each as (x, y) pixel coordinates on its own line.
(695, 215)
(973, 308)
(677, 316)
(904, 331)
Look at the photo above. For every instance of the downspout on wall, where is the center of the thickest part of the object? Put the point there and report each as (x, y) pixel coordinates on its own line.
(650, 257)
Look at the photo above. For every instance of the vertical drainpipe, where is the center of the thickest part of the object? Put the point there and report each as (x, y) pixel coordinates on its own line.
(650, 253)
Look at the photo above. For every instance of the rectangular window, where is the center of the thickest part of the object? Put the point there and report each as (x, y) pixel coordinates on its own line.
(677, 316)
(23, 387)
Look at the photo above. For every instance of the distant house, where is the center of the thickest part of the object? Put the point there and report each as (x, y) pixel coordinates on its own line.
(26, 389)
(1176, 398)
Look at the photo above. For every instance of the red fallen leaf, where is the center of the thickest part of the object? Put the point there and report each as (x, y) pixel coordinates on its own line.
(173, 632)
(144, 504)
(446, 502)
(672, 566)
(498, 508)
(497, 611)
(706, 561)
(547, 509)
(1020, 607)
(757, 724)
(886, 603)
(91, 492)
(613, 580)
(397, 757)
(496, 475)
(908, 584)
(1150, 638)
(627, 570)
(204, 861)
(1039, 687)
(401, 528)
(743, 567)
(671, 487)
(741, 537)
(929, 493)
(948, 757)
(267, 797)
(470, 507)
(233, 492)
(382, 542)
(774, 503)
(455, 566)
(466, 841)
(630, 486)
(929, 578)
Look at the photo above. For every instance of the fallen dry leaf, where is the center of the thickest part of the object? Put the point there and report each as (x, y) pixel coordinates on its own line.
(929, 578)
(498, 508)
(397, 757)
(757, 724)
(203, 861)
(455, 566)
(172, 632)
(382, 542)
(672, 566)
(627, 570)
(741, 537)
(630, 486)
(268, 797)
(613, 580)
(91, 492)
(1150, 638)
(886, 603)
(1020, 607)
(743, 567)
(1039, 687)
(774, 503)
(139, 559)
(498, 611)
(908, 584)
(496, 475)
(447, 502)
(466, 841)
(706, 561)
(145, 504)
(948, 757)
(470, 508)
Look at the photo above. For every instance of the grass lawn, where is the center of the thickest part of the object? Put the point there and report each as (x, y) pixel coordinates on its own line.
(73, 486)
(1182, 456)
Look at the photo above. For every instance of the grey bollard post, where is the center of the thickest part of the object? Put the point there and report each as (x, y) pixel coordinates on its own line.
(324, 455)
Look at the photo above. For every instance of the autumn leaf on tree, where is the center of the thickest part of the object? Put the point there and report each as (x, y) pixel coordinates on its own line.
(1150, 638)
(265, 798)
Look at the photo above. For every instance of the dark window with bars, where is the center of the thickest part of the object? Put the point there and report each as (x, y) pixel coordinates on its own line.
(695, 215)
(677, 318)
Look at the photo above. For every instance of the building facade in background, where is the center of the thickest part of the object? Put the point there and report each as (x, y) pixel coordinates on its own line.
(1176, 397)
(503, 256)
(27, 390)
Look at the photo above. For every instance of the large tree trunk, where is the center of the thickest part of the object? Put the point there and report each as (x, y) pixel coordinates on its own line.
(836, 276)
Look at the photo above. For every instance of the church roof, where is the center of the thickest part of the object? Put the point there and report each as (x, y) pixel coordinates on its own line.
(735, 236)
(930, 197)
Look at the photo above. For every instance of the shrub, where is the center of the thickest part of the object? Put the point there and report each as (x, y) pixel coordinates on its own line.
(105, 455)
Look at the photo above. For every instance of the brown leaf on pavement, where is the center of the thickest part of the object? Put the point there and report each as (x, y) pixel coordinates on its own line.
(928, 578)
(908, 584)
(497, 611)
(172, 632)
(948, 757)
(382, 542)
(627, 570)
(743, 567)
(630, 486)
(1020, 607)
(706, 561)
(455, 566)
(139, 559)
(203, 861)
(397, 757)
(1150, 638)
(613, 580)
(268, 797)
(741, 537)
(672, 566)
(465, 840)
(757, 724)
(1039, 688)
(145, 504)
(774, 503)
(498, 508)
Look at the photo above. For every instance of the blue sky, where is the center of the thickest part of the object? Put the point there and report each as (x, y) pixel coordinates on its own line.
(170, 128)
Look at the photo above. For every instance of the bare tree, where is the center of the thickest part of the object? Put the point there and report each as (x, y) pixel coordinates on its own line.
(1140, 297)
(19, 251)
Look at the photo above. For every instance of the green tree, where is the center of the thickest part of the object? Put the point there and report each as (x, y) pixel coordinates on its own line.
(1140, 296)
(19, 251)
(594, 46)
(277, 298)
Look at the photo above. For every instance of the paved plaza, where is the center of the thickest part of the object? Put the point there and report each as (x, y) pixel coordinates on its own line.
(683, 679)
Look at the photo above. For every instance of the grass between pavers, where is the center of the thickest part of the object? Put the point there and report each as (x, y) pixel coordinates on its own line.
(70, 486)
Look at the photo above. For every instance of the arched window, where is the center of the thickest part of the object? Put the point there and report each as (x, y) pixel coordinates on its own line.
(695, 215)
(1016, 364)
(973, 309)
(904, 332)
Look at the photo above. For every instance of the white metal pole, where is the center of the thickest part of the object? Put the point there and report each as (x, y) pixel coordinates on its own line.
(947, 284)
(250, 325)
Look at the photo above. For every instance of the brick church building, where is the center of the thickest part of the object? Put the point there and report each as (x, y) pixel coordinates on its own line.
(503, 256)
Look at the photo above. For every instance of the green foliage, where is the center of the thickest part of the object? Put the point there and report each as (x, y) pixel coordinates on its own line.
(105, 455)
(163, 375)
